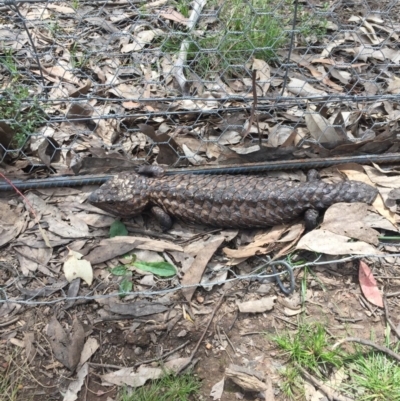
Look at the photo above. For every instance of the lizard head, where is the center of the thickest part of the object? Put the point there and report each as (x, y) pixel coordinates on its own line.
(124, 195)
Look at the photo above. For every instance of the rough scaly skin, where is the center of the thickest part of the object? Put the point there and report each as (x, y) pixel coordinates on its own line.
(236, 201)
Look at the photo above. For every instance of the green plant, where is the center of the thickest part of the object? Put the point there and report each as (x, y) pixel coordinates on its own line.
(22, 111)
(309, 348)
(169, 388)
(373, 377)
(54, 28)
(292, 384)
(75, 4)
(183, 6)
(9, 63)
(245, 29)
(9, 381)
(78, 58)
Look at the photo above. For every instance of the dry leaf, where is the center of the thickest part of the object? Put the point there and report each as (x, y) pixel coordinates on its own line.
(368, 285)
(263, 75)
(323, 241)
(67, 347)
(75, 386)
(195, 272)
(320, 129)
(217, 390)
(257, 306)
(129, 377)
(348, 219)
(75, 267)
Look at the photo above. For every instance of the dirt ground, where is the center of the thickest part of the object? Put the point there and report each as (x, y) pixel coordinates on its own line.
(37, 330)
(333, 299)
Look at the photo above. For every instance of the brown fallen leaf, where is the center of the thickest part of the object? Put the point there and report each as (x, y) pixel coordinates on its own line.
(260, 244)
(247, 379)
(130, 377)
(324, 241)
(348, 219)
(195, 272)
(136, 308)
(112, 247)
(368, 285)
(67, 347)
(76, 267)
(257, 306)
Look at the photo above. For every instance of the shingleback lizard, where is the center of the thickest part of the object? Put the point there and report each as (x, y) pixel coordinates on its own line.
(226, 201)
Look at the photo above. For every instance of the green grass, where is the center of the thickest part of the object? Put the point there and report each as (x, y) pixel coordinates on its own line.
(371, 376)
(9, 63)
(169, 388)
(244, 30)
(309, 348)
(21, 111)
(9, 386)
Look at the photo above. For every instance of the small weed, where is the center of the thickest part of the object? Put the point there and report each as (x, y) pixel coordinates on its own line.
(244, 30)
(78, 58)
(169, 388)
(23, 112)
(54, 28)
(309, 348)
(292, 384)
(9, 386)
(369, 377)
(183, 6)
(374, 377)
(8, 62)
(75, 4)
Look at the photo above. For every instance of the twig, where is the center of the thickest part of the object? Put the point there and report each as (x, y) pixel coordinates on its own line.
(204, 332)
(286, 320)
(370, 344)
(162, 356)
(11, 321)
(253, 108)
(392, 326)
(20, 194)
(348, 319)
(182, 56)
(329, 392)
(105, 365)
(392, 294)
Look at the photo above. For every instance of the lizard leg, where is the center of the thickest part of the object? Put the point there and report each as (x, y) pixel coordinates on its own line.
(311, 218)
(311, 215)
(312, 175)
(151, 171)
(163, 218)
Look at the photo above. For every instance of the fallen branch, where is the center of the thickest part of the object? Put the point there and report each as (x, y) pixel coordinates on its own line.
(392, 326)
(370, 344)
(331, 394)
(204, 333)
(182, 56)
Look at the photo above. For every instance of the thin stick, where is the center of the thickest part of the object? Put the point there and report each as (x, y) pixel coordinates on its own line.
(204, 332)
(370, 344)
(391, 324)
(329, 392)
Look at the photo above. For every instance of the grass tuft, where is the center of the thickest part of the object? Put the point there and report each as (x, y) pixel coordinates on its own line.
(169, 388)
(21, 111)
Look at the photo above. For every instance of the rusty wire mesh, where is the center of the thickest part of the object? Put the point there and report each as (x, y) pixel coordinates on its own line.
(93, 84)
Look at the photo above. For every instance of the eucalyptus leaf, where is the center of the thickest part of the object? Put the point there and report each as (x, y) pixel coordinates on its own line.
(118, 229)
(163, 269)
(119, 270)
(125, 287)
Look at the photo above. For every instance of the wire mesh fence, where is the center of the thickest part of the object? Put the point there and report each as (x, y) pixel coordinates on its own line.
(87, 86)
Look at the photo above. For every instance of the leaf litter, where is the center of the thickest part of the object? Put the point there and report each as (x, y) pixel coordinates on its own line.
(73, 227)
